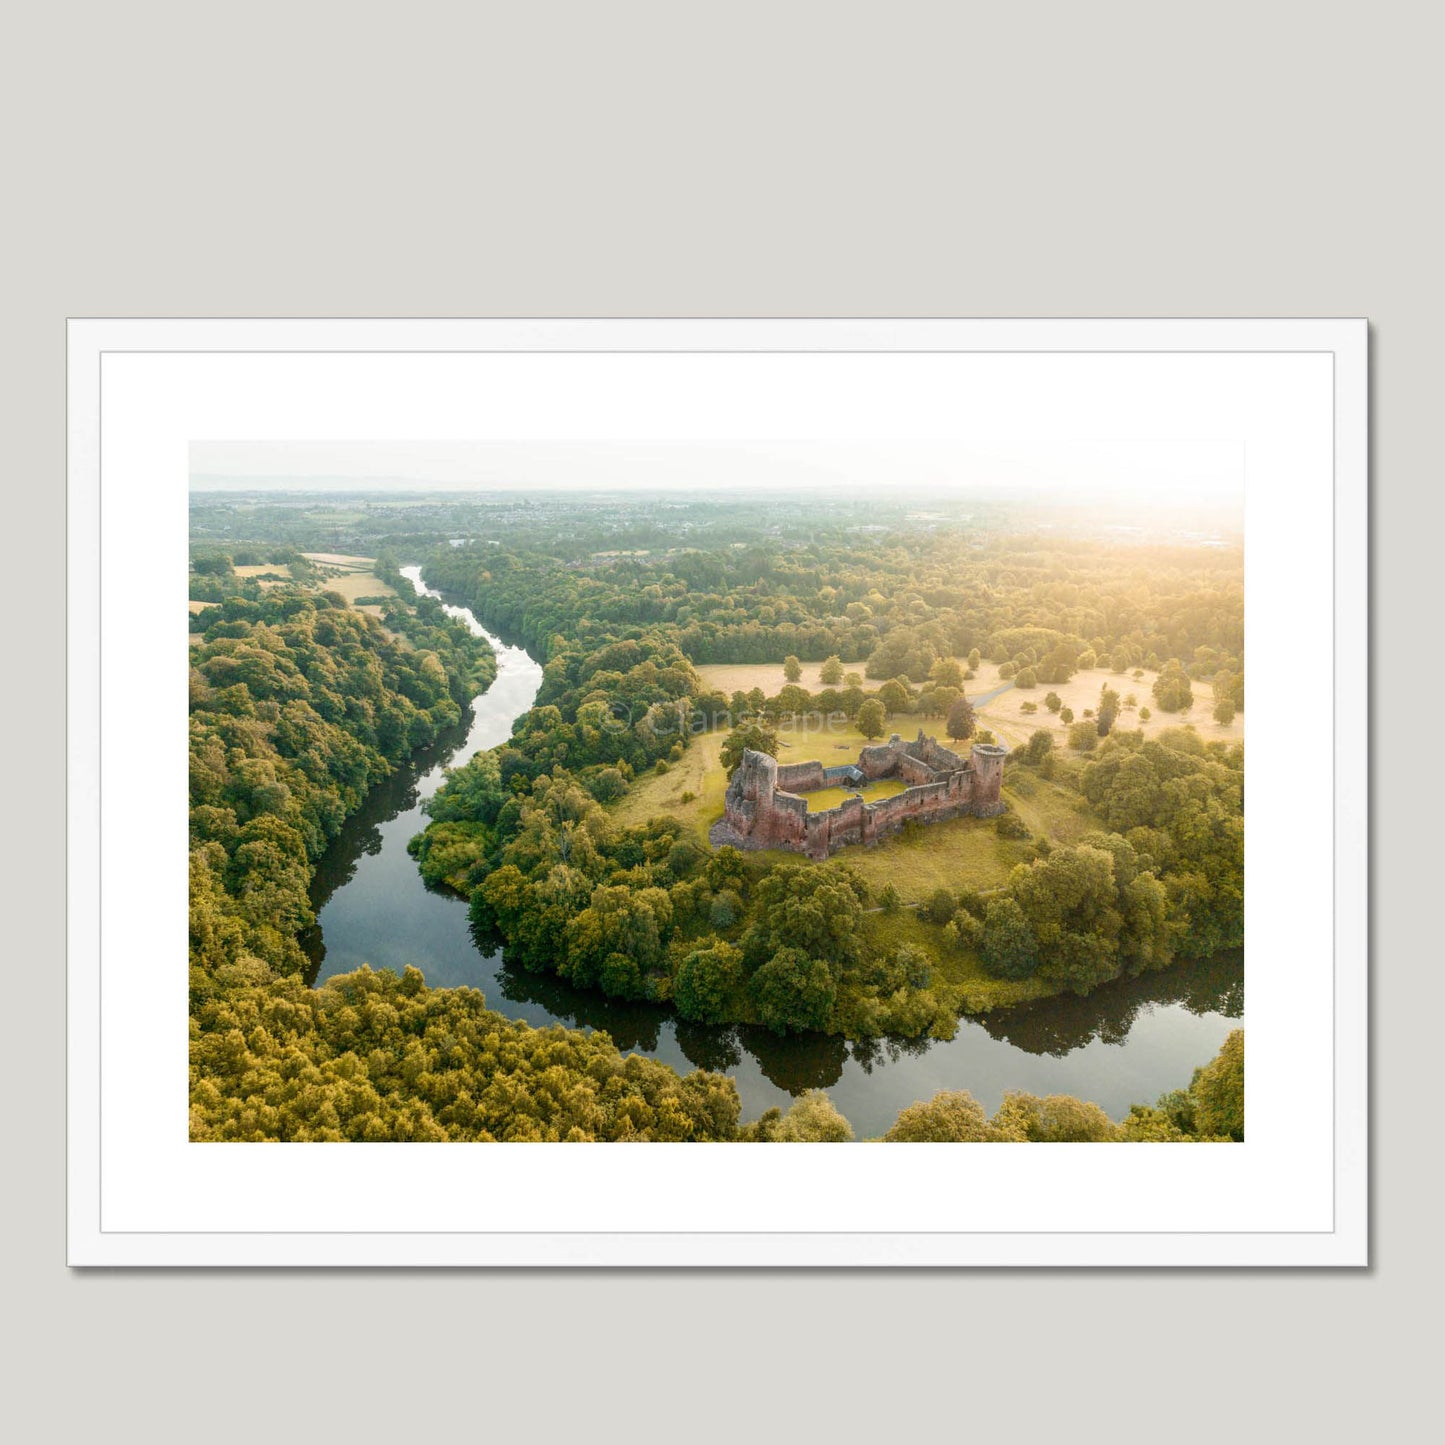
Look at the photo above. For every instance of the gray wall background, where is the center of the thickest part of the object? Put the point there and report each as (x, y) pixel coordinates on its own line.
(744, 159)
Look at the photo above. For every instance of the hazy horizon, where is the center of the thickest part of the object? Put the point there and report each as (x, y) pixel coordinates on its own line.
(1186, 474)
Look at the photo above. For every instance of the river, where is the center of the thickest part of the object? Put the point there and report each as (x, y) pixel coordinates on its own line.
(1125, 1043)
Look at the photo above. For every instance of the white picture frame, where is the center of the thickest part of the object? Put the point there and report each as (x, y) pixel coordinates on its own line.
(1293, 392)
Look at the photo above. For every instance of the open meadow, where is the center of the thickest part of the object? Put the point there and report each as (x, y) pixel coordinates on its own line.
(731, 677)
(961, 853)
(1005, 716)
(1000, 703)
(352, 577)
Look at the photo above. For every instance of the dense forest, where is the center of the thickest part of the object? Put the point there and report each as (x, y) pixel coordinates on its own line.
(894, 603)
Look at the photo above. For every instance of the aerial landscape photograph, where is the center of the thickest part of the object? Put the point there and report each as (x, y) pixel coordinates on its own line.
(716, 792)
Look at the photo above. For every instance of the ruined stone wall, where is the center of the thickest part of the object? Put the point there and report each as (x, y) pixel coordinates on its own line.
(935, 755)
(800, 777)
(760, 813)
(913, 772)
(880, 760)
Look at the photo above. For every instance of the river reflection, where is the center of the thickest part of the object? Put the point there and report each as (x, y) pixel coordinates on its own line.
(1125, 1043)
(1058, 1026)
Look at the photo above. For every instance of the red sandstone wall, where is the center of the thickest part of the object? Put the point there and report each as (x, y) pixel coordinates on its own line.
(914, 772)
(800, 777)
(762, 818)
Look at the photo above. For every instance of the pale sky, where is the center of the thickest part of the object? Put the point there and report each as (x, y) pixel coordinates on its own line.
(1205, 471)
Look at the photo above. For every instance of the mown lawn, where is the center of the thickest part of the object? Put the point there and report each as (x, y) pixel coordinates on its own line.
(820, 800)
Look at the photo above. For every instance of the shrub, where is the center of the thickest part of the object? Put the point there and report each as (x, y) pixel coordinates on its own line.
(794, 992)
(1218, 1092)
(951, 1117)
(1038, 747)
(705, 980)
(940, 907)
(1010, 825)
(726, 909)
(961, 721)
(1084, 736)
(869, 721)
(812, 1119)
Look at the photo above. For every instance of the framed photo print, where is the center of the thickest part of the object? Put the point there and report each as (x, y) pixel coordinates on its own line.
(717, 737)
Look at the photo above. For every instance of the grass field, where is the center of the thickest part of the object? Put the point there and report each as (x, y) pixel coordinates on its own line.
(825, 798)
(269, 574)
(352, 577)
(961, 853)
(700, 773)
(1005, 717)
(731, 677)
(352, 585)
(340, 559)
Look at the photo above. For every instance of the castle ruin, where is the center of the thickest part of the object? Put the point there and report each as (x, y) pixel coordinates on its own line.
(764, 806)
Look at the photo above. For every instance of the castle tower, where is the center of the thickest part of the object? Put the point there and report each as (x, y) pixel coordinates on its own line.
(987, 759)
(757, 778)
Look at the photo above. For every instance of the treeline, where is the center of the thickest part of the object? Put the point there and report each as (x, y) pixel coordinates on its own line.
(1210, 1110)
(373, 1057)
(370, 1056)
(894, 604)
(298, 706)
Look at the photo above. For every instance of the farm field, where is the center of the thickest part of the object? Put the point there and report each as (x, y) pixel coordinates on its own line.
(358, 584)
(352, 577)
(268, 574)
(340, 559)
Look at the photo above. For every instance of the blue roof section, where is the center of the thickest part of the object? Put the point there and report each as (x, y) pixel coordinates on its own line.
(847, 773)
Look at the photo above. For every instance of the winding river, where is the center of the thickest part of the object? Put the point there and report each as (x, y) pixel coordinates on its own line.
(1125, 1043)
